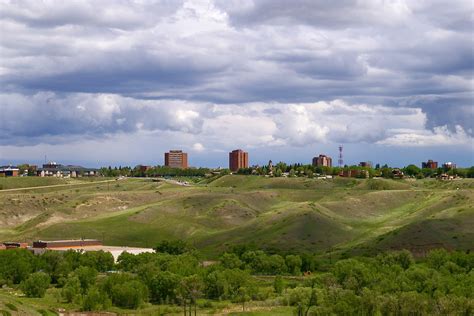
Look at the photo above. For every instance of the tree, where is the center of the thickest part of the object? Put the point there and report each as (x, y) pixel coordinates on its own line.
(230, 261)
(437, 258)
(352, 274)
(130, 294)
(242, 297)
(163, 287)
(224, 284)
(173, 247)
(278, 284)
(402, 258)
(86, 276)
(191, 288)
(100, 260)
(36, 284)
(95, 300)
(71, 289)
(293, 263)
(278, 172)
(411, 170)
(16, 265)
(54, 264)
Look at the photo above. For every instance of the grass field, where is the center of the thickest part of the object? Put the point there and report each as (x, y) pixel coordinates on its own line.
(287, 214)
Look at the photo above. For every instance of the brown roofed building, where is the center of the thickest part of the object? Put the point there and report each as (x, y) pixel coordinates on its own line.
(13, 245)
(176, 159)
(238, 159)
(66, 243)
(322, 161)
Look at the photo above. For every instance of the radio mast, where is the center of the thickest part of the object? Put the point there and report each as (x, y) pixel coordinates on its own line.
(340, 161)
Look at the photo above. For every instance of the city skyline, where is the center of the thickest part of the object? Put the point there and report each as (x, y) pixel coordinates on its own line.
(122, 82)
(239, 157)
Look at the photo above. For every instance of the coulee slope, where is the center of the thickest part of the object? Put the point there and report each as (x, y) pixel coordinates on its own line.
(286, 214)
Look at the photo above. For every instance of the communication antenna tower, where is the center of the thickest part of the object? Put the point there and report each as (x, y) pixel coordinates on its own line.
(340, 161)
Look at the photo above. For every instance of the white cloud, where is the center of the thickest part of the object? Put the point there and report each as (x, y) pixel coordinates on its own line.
(439, 136)
(50, 117)
(198, 147)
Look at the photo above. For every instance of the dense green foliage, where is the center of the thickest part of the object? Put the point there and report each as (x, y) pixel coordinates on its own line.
(156, 171)
(389, 283)
(36, 284)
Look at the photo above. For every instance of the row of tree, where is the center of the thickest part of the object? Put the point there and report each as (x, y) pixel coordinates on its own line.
(156, 171)
(300, 170)
(292, 170)
(390, 283)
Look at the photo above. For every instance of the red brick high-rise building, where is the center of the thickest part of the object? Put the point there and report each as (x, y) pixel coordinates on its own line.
(322, 161)
(176, 159)
(238, 159)
(430, 164)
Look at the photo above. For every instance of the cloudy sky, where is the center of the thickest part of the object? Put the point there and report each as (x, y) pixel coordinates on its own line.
(120, 82)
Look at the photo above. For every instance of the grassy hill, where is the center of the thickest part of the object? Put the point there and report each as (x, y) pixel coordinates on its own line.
(287, 214)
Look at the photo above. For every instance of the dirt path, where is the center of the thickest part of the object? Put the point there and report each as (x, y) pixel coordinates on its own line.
(56, 186)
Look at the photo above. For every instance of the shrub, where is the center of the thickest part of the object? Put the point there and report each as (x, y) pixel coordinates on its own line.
(36, 284)
(71, 289)
(95, 300)
(131, 294)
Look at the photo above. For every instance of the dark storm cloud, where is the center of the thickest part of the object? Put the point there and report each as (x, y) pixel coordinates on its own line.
(99, 62)
(330, 14)
(104, 13)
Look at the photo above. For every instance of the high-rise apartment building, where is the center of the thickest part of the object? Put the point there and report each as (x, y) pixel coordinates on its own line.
(430, 164)
(238, 159)
(449, 165)
(176, 159)
(322, 161)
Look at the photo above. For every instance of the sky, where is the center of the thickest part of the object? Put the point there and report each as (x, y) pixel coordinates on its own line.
(120, 82)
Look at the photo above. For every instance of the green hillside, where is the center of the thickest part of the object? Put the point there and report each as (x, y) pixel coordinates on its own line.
(285, 214)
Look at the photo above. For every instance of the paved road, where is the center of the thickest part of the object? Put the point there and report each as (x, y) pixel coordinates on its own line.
(56, 185)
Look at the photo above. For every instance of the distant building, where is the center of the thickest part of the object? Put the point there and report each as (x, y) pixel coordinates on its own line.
(52, 165)
(365, 164)
(66, 243)
(13, 245)
(449, 165)
(53, 169)
(238, 159)
(322, 161)
(176, 159)
(397, 173)
(430, 164)
(349, 173)
(142, 168)
(270, 167)
(9, 171)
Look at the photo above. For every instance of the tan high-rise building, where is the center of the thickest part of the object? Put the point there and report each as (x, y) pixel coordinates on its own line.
(176, 159)
(322, 161)
(238, 159)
